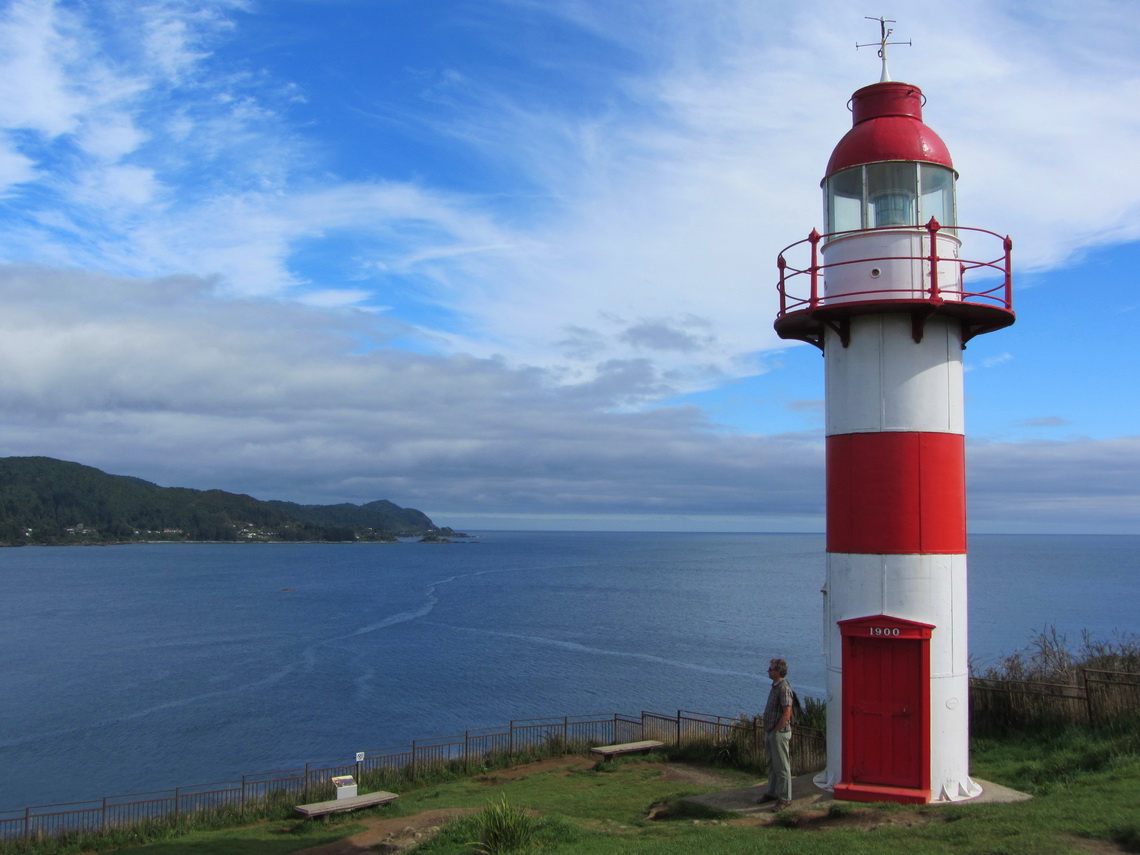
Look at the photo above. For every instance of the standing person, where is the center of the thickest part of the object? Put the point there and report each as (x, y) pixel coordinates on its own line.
(778, 736)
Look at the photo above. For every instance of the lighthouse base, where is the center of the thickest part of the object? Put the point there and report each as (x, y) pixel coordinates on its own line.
(898, 679)
(877, 793)
(965, 791)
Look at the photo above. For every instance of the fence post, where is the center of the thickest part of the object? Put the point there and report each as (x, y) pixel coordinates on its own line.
(176, 794)
(241, 809)
(615, 739)
(413, 760)
(1088, 696)
(466, 751)
(678, 737)
(511, 738)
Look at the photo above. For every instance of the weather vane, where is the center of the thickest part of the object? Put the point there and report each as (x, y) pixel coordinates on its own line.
(881, 44)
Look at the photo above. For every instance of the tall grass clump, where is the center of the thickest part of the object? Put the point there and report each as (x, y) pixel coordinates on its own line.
(741, 744)
(1049, 659)
(742, 747)
(812, 713)
(504, 829)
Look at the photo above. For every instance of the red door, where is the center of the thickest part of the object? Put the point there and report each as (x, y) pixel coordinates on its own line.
(886, 710)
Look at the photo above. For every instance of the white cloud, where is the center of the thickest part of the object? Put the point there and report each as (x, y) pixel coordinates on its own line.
(334, 297)
(579, 244)
(161, 380)
(15, 168)
(36, 88)
(1074, 486)
(668, 198)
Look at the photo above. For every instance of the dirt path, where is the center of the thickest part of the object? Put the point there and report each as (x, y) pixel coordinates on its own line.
(401, 833)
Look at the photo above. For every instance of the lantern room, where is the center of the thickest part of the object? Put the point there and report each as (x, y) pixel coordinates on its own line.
(892, 241)
(894, 193)
(890, 169)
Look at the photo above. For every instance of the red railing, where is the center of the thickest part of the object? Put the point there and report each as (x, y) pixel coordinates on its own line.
(998, 296)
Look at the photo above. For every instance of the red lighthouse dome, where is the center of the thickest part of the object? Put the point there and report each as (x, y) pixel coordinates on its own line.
(887, 125)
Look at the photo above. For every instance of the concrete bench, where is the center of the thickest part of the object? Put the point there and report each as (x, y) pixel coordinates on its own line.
(609, 751)
(340, 805)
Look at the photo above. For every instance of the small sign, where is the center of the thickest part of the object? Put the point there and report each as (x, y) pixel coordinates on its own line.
(359, 756)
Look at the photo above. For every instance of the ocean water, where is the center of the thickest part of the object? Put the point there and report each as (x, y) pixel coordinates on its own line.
(142, 667)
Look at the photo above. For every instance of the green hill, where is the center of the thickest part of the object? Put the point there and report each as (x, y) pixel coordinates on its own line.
(48, 501)
(381, 515)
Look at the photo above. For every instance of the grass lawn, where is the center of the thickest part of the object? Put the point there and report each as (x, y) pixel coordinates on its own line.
(1085, 785)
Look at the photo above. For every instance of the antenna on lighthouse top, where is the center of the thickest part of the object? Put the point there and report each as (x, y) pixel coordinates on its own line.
(881, 44)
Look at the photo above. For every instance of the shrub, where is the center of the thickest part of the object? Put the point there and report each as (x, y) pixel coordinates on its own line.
(1045, 684)
(1048, 658)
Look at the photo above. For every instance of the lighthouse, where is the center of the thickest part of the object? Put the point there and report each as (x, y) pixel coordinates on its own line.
(891, 291)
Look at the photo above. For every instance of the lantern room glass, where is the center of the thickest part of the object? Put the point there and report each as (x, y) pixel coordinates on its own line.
(892, 193)
(845, 201)
(937, 195)
(892, 190)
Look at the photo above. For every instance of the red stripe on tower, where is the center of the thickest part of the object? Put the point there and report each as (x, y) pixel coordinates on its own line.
(896, 493)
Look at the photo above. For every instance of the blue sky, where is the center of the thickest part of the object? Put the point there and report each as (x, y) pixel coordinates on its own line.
(513, 262)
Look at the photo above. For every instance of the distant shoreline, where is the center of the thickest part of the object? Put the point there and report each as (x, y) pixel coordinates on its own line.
(413, 539)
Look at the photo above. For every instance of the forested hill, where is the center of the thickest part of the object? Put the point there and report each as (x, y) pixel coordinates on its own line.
(44, 501)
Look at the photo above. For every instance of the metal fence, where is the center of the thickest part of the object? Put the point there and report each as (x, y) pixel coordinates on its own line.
(1095, 696)
(808, 747)
(423, 757)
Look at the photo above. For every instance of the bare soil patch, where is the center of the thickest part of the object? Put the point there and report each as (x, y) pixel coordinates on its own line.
(862, 819)
(391, 835)
(562, 765)
(695, 775)
(565, 765)
(1095, 847)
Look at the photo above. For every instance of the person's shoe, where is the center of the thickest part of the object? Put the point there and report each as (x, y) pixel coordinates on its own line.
(783, 804)
(767, 797)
